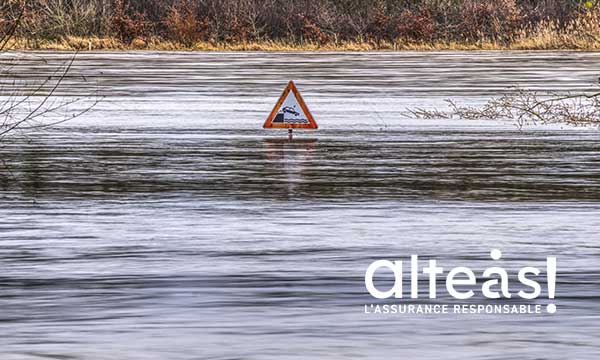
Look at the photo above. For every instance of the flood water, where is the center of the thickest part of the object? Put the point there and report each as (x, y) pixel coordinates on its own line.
(167, 224)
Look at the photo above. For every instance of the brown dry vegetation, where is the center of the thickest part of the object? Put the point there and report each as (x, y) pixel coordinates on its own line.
(304, 24)
(525, 107)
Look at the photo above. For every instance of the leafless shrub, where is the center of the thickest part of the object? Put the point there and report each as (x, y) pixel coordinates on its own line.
(497, 20)
(32, 106)
(127, 23)
(310, 31)
(422, 113)
(36, 107)
(52, 18)
(184, 24)
(526, 107)
(416, 26)
(12, 13)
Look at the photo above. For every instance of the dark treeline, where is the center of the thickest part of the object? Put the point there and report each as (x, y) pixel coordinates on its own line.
(318, 21)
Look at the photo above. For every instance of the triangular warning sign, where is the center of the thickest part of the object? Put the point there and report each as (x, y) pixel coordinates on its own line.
(290, 111)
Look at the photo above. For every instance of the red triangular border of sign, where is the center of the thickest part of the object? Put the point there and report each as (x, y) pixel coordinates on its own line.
(269, 122)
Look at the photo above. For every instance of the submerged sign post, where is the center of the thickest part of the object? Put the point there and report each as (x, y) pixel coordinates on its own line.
(290, 112)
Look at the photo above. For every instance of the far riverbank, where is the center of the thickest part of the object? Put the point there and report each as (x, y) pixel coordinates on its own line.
(542, 41)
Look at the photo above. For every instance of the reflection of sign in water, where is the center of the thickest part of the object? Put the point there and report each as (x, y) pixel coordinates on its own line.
(290, 111)
(287, 164)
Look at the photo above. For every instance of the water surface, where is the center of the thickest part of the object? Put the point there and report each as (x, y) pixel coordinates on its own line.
(166, 224)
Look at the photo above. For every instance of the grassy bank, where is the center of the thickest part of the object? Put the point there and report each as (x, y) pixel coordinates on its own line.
(544, 41)
(289, 25)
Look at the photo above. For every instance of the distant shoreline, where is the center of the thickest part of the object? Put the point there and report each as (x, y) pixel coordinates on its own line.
(319, 25)
(73, 43)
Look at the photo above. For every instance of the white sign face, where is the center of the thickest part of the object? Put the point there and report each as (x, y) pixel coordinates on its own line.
(291, 112)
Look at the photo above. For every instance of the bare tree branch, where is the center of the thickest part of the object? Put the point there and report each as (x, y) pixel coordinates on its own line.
(525, 107)
(33, 106)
